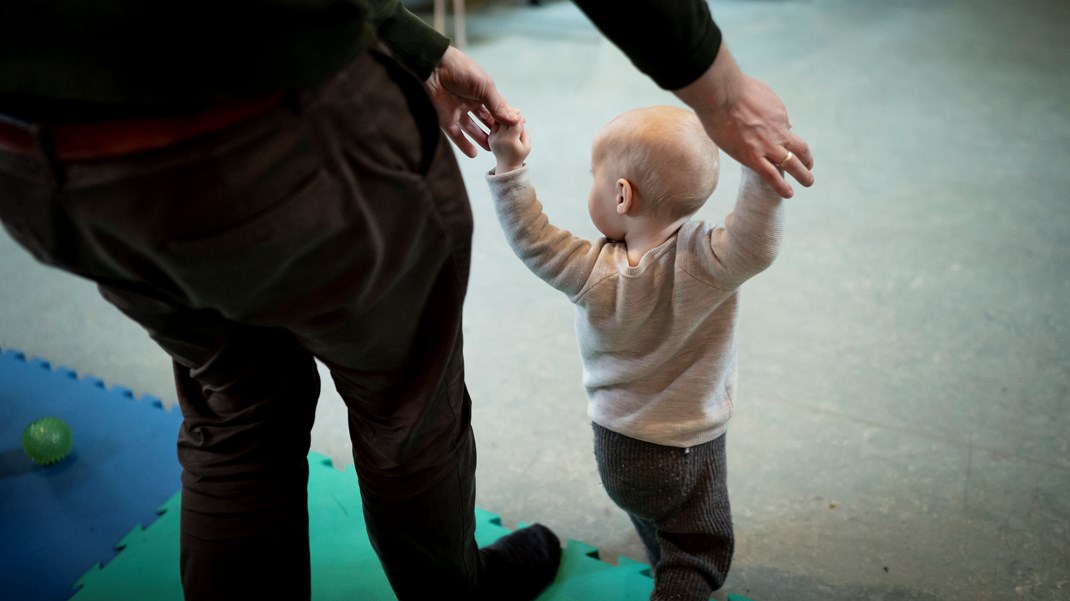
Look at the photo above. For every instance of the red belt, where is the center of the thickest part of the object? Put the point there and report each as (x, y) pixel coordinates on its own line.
(112, 138)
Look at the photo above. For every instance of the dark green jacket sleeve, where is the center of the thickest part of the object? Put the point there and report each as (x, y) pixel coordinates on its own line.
(415, 43)
(180, 53)
(129, 57)
(672, 41)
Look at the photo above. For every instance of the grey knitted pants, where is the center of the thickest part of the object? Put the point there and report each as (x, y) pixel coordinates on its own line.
(678, 500)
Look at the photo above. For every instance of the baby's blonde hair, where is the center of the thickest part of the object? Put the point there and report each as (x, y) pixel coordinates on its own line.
(667, 156)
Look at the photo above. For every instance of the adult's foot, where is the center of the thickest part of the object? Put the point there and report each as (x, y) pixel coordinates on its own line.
(519, 565)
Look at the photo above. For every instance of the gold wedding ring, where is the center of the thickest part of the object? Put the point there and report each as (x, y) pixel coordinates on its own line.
(791, 155)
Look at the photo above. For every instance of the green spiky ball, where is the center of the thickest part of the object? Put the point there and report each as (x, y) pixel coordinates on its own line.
(46, 440)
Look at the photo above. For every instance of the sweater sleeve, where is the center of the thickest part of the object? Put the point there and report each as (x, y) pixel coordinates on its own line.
(749, 240)
(415, 43)
(559, 258)
(672, 41)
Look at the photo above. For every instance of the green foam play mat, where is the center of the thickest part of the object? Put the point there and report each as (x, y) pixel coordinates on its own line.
(62, 526)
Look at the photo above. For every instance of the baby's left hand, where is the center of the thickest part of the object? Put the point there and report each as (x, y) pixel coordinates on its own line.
(510, 145)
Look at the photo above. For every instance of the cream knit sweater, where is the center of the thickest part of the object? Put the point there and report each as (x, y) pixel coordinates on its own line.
(658, 340)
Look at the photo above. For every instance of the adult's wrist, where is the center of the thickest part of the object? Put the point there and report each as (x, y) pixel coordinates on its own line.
(717, 88)
(413, 42)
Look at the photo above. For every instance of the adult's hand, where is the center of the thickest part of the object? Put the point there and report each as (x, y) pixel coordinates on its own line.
(466, 101)
(748, 121)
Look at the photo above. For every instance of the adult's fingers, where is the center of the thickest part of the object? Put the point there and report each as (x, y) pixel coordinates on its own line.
(475, 132)
(794, 164)
(798, 170)
(496, 105)
(768, 171)
(453, 132)
(484, 116)
(801, 150)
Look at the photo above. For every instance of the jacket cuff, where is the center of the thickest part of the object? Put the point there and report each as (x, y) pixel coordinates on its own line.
(413, 42)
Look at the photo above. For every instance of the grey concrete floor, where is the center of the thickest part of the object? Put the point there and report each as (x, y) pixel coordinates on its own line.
(902, 427)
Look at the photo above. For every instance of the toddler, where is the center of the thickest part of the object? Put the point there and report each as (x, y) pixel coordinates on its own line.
(657, 305)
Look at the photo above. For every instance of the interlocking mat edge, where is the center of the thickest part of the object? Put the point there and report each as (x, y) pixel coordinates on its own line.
(103, 522)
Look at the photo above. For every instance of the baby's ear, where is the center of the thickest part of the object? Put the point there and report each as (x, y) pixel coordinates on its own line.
(625, 196)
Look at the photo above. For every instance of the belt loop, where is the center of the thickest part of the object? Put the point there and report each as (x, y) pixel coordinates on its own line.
(44, 150)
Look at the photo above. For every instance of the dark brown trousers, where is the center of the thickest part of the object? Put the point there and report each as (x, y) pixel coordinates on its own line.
(335, 229)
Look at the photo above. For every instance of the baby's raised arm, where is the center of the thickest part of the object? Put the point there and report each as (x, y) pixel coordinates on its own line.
(510, 145)
(555, 255)
(749, 240)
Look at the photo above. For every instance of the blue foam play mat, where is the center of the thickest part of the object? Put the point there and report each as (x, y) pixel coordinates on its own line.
(102, 524)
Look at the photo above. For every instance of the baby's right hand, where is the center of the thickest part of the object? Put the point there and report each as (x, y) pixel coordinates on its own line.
(510, 145)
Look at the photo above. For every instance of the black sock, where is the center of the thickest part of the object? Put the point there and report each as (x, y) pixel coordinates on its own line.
(519, 565)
